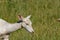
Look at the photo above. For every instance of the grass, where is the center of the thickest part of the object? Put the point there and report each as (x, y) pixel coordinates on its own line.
(44, 14)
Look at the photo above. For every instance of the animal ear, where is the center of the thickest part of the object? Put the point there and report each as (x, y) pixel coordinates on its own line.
(28, 16)
(20, 17)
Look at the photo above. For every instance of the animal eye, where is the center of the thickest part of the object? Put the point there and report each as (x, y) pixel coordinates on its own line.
(27, 24)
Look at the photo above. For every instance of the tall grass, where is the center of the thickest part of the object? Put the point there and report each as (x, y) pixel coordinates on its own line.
(44, 14)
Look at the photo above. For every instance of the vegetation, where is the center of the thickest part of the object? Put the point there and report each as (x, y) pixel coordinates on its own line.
(44, 15)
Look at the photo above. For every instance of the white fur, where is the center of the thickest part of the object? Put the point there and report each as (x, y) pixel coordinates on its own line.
(6, 37)
(6, 27)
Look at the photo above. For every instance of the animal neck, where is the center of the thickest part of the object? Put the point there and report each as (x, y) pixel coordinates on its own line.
(13, 27)
(17, 25)
(9, 27)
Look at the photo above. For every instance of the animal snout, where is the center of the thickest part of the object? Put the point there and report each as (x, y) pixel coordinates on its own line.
(32, 32)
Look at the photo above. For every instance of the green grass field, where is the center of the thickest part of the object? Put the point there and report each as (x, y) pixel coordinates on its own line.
(44, 14)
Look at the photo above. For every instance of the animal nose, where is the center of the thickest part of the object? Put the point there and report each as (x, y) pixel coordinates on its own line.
(32, 32)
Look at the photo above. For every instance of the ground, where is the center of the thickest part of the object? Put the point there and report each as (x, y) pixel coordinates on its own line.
(44, 18)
